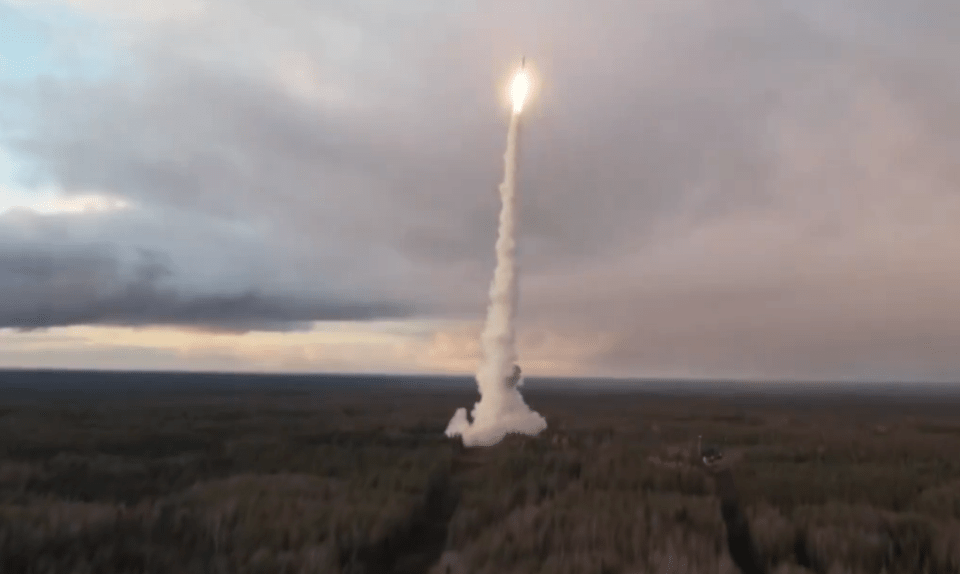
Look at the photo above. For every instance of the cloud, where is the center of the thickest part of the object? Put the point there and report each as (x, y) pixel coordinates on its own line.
(149, 10)
(46, 288)
(718, 189)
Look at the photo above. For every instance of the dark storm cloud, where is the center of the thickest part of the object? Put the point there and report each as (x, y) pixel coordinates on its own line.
(77, 285)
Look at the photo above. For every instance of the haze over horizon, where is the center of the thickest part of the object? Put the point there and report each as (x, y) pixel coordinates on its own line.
(741, 190)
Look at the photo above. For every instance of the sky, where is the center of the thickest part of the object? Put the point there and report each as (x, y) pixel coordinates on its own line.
(750, 189)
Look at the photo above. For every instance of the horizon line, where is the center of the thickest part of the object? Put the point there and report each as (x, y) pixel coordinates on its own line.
(434, 375)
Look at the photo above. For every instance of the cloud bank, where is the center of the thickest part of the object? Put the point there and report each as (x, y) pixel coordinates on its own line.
(748, 189)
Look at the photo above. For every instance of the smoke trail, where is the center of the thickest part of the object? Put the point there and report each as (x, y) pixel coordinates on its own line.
(501, 408)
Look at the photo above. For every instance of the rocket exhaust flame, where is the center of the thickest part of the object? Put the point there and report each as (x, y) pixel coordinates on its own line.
(501, 408)
(518, 90)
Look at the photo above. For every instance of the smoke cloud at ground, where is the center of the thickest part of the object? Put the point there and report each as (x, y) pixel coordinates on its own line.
(501, 408)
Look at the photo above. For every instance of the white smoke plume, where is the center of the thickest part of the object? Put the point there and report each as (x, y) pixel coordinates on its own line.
(501, 409)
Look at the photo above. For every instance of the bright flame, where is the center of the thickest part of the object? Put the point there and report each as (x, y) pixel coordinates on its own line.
(518, 91)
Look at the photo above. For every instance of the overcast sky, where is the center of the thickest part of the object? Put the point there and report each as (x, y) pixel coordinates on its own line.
(709, 188)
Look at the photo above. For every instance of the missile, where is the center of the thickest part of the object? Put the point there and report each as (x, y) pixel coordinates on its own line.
(523, 62)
